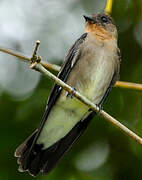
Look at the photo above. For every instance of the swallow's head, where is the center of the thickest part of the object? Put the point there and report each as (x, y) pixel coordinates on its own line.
(101, 24)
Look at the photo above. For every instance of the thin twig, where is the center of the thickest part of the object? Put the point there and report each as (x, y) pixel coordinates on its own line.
(40, 68)
(108, 8)
(47, 65)
(36, 48)
(128, 85)
(50, 66)
(54, 67)
(36, 58)
(16, 54)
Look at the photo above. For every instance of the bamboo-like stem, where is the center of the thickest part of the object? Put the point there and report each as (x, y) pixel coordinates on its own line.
(108, 8)
(47, 65)
(50, 66)
(43, 68)
(84, 100)
(54, 67)
(16, 54)
(128, 85)
(38, 67)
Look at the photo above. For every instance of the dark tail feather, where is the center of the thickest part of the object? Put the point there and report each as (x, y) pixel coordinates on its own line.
(23, 150)
(38, 159)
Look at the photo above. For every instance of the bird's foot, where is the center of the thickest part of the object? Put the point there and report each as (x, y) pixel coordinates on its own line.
(100, 108)
(71, 95)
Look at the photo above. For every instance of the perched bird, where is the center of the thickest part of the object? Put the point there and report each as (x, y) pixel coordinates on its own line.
(92, 68)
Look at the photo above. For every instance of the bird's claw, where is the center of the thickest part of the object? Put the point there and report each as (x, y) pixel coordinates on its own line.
(100, 108)
(71, 95)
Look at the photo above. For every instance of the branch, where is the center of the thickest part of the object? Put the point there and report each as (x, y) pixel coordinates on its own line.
(128, 85)
(47, 65)
(38, 67)
(54, 67)
(108, 8)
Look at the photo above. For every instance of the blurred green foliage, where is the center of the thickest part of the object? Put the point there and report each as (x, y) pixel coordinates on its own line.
(103, 152)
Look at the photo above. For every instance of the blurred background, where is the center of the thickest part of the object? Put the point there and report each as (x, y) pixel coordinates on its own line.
(103, 152)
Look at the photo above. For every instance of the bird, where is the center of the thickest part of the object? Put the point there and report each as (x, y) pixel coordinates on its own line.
(91, 67)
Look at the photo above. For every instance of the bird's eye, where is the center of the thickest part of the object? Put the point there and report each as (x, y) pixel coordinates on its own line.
(104, 19)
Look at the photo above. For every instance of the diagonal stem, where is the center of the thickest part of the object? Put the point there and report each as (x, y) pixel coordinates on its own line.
(83, 99)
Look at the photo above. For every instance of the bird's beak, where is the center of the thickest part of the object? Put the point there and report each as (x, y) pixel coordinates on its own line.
(88, 18)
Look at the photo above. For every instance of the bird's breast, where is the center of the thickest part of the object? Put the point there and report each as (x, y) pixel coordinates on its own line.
(91, 76)
(93, 72)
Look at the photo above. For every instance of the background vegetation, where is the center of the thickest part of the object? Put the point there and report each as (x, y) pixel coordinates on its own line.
(103, 152)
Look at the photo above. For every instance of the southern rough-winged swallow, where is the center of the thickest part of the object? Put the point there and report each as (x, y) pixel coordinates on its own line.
(91, 67)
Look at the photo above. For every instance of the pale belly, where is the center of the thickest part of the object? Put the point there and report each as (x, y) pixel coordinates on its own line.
(92, 83)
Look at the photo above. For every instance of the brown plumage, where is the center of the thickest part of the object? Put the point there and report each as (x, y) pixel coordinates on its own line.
(92, 68)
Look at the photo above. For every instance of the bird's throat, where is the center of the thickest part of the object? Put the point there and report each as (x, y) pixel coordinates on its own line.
(98, 31)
